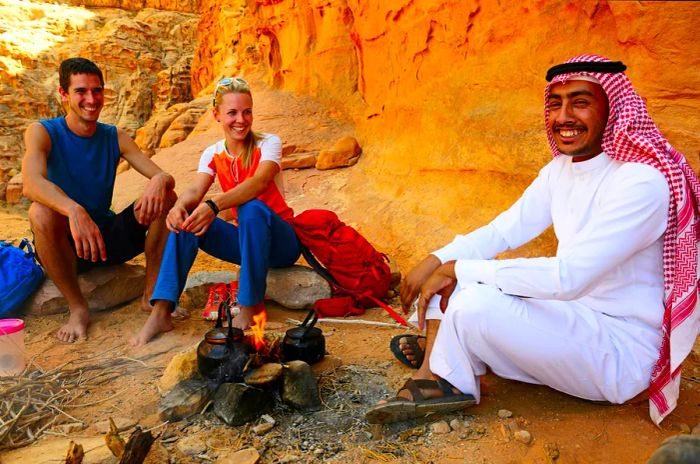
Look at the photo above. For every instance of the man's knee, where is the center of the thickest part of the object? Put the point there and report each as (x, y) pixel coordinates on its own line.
(170, 199)
(47, 222)
(474, 302)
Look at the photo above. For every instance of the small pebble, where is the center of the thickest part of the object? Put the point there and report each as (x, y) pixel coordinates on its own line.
(288, 458)
(523, 436)
(263, 428)
(456, 424)
(696, 430)
(192, 445)
(684, 428)
(440, 427)
(318, 451)
(504, 413)
(268, 418)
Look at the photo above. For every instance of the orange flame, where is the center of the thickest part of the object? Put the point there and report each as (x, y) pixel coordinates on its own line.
(258, 329)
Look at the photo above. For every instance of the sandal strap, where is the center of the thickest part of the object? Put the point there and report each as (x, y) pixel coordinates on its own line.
(446, 387)
(415, 385)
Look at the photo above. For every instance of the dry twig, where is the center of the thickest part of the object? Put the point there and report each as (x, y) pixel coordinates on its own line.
(37, 399)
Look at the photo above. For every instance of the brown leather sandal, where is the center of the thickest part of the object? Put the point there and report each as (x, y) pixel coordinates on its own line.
(398, 409)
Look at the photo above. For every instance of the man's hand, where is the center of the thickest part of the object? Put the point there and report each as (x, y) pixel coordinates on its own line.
(441, 282)
(86, 235)
(200, 220)
(411, 284)
(151, 203)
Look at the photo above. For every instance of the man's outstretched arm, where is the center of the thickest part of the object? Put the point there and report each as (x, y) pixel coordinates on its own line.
(152, 202)
(37, 187)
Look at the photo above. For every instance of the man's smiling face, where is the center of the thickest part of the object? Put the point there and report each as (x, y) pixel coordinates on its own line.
(578, 113)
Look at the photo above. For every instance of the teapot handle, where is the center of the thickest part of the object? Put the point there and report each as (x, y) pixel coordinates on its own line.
(306, 321)
(219, 315)
(229, 337)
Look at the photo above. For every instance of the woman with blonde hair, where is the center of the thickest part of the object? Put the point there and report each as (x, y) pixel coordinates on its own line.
(246, 164)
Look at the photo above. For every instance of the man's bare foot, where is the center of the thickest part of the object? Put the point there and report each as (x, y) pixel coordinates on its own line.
(413, 349)
(76, 327)
(146, 306)
(158, 321)
(244, 319)
(428, 393)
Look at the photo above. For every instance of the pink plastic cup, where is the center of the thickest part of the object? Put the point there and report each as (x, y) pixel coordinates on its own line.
(11, 346)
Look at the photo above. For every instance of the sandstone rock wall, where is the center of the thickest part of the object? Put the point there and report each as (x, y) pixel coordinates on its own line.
(145, 57)
(187, 6)
(447, 94)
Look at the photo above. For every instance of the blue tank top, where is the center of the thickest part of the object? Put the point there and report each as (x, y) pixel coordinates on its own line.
(84, 167)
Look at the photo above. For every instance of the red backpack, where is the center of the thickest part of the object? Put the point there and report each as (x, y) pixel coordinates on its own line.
(347, 261)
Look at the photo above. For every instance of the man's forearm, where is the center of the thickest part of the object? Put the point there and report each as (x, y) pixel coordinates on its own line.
(49, 194)
(167, 178)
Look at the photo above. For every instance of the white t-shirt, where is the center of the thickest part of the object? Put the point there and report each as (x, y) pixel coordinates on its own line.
(270, 150)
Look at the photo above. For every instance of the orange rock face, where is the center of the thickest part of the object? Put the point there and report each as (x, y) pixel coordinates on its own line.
(145, 58)
(446, 95)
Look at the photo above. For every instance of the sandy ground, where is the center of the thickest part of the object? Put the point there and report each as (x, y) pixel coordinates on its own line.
(563, 429)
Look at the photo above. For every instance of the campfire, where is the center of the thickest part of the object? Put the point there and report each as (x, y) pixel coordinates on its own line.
(242, 371)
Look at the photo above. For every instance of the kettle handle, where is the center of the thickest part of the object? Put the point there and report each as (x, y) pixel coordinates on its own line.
(219, 316)
(229, 337)
(306, 321)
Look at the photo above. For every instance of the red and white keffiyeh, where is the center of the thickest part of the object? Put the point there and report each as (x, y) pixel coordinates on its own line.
(631, 136)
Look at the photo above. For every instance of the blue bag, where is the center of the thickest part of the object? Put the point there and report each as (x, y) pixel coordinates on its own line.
(20, 275)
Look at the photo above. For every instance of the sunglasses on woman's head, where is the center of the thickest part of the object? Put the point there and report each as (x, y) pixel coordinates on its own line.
(227, 81)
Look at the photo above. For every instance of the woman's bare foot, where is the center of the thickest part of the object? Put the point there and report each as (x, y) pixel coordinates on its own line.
(158, 321)
(76, 327)
(244, 319)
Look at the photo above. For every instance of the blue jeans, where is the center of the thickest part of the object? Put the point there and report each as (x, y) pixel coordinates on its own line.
(261, 240)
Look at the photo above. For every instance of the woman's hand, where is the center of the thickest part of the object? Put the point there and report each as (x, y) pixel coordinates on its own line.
(199, 221)
(411, 284)
(176, 218)
(441, 282)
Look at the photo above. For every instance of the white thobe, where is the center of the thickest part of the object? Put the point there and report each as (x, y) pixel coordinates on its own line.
(586, 321)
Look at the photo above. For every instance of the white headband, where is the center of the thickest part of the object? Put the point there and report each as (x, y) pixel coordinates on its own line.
(580, 77)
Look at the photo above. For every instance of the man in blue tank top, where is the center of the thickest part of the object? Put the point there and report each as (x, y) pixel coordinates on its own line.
(69, 169)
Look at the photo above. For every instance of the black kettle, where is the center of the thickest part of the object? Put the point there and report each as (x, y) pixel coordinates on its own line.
(306, 342)
(222, 355)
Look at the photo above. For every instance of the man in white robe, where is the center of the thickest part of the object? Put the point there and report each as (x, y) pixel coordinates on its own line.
(594, 321)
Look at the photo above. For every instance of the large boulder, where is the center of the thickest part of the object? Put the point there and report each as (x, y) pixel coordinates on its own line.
(296, 287)
(103, 287)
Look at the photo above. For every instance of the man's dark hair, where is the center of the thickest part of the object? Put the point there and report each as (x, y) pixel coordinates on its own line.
(77, 66)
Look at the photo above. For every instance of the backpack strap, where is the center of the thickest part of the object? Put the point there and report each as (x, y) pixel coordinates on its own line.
(323, 272)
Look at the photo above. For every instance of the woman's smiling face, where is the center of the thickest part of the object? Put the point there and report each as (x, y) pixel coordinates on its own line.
(235, 113)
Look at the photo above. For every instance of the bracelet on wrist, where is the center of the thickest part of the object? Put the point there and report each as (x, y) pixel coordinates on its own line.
(210, 203)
